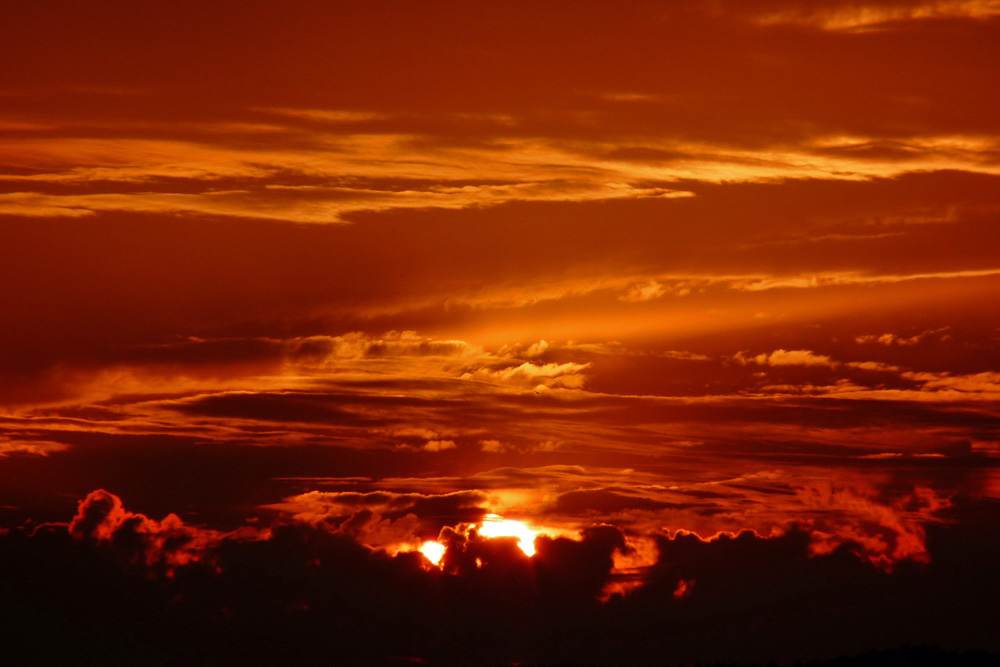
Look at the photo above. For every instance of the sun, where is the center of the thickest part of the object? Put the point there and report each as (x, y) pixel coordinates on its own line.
(433, 551)
(491, 526)
(496, 526)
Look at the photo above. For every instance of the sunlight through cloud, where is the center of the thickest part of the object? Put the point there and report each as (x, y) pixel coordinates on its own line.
(496, 526)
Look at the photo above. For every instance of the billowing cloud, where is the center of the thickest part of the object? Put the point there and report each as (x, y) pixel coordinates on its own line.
(167, 544)
(268, 585)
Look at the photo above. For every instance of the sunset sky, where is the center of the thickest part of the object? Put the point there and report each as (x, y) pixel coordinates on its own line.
(705, 294)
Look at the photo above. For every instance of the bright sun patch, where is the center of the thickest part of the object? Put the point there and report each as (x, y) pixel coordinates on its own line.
(492, 526)
(495, 526)
(433, 551)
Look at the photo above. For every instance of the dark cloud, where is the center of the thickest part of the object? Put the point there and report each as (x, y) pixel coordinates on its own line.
(606, 501)
(305, 595)
(433, 511)
(276, 407)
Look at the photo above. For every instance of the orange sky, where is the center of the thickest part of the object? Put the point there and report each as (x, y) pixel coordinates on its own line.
(694, 266)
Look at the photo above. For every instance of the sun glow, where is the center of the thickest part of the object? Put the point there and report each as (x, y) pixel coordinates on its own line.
(492, 526)
(433, 551)
(495, 526)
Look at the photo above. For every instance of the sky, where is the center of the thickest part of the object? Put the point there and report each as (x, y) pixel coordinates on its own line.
(701, 294)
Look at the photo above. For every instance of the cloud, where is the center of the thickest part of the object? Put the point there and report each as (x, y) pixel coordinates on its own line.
(826, 280)
(271, 406)
(889, 339)
(431, 510)
(513, 170)
(164, 545)
(873, 366)
(439, 445)
(980, 385)
(789, 358)
(353, 298)
(328, 115)
(10, 447)
(643, 292)
(292, 168)
(394, 344)
(272, 586)
(603, 502)
(525, 351)
(492, 446)
(885, 533)
(852, 16)
(568, 375)
(516, 170)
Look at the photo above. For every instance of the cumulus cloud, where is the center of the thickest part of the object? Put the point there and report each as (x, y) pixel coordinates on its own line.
(166, 544)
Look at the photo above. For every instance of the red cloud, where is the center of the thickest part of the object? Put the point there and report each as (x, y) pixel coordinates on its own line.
(164, 544)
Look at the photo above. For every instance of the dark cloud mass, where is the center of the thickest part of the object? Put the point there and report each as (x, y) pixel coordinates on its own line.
(607, 334)
(301, 593)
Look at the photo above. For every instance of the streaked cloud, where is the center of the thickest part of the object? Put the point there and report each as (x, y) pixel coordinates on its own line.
(10, 447)
(870, 15)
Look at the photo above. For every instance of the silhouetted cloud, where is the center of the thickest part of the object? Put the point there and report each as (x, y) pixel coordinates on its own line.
(275, 590)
